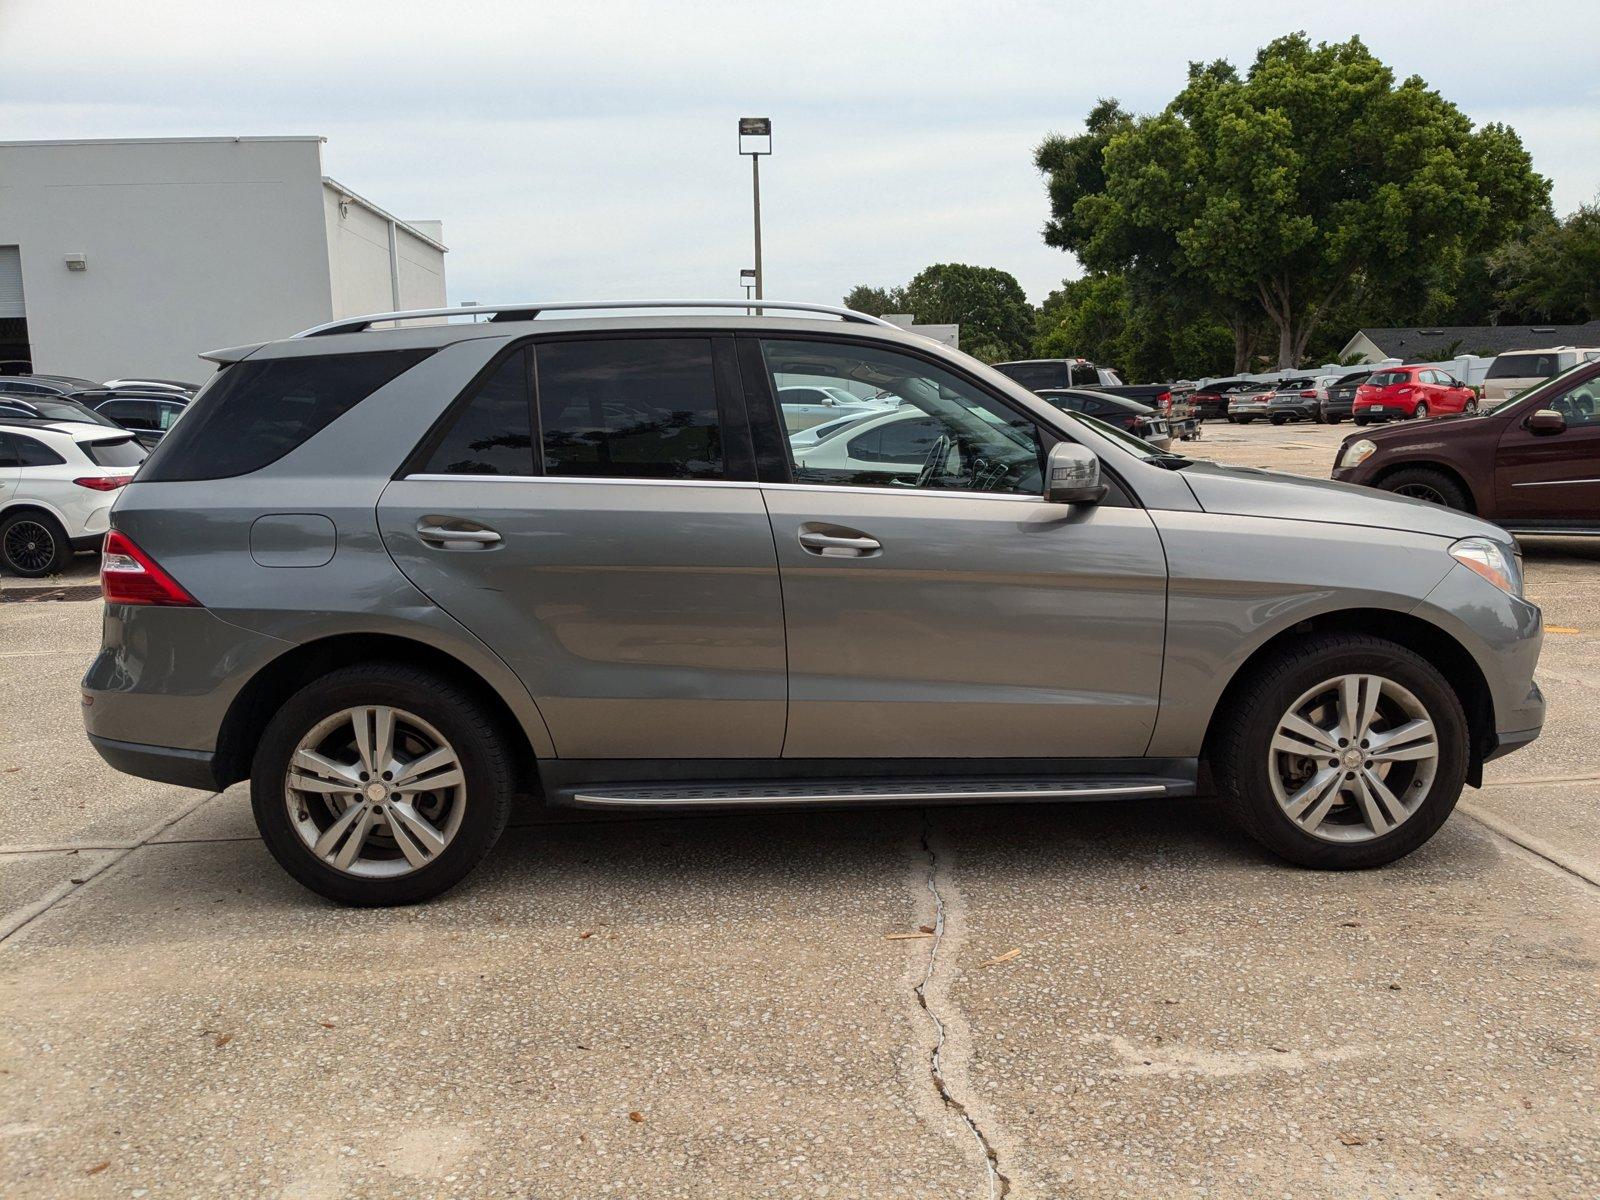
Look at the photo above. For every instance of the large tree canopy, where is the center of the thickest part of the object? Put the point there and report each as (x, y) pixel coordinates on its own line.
(1313, 178)
(989, 304)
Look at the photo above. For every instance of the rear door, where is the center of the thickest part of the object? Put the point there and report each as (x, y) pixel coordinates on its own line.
(589, 509)
(8, 468)
(1555, 476)
(939, 607)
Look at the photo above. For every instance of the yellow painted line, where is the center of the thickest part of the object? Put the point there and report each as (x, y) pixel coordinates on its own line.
(1561, 629)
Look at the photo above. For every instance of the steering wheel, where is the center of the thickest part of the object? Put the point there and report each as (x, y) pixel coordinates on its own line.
(933, 464)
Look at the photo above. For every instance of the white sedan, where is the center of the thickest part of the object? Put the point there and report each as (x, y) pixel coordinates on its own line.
(57, 483)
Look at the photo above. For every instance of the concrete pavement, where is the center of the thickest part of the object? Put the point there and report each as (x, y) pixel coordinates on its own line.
(714, 1006)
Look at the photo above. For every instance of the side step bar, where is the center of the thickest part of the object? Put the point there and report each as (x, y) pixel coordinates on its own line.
(844, 792)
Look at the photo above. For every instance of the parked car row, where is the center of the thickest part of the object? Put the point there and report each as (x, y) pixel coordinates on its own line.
(1531, 466)
(146, 407)
(66, 446)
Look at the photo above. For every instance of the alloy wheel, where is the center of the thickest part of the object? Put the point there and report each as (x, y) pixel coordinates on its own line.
(1353, 758)
(1422, 491)
(375, 792)
(29, 546)
(1421, 412)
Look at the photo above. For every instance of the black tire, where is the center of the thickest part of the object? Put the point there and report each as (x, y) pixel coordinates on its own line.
(478, 739)
(1360, 420)
(1332, 419)
(1425, 483)
(1245, 420)
(1279, 419)
(33, 544)
(1243, 733)
(1233, 420)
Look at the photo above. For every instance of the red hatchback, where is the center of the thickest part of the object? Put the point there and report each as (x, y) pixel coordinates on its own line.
(1396, 393)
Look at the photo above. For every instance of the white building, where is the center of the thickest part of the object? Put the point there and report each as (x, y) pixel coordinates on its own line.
(130, 257)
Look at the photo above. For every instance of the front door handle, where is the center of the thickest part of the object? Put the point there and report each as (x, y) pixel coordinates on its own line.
(448, 533)
(839, 545)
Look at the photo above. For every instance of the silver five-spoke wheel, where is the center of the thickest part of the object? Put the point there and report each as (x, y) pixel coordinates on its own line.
(1353, 758)
(375, 791)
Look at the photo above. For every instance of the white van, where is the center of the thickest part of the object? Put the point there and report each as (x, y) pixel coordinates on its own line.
(1518, 370)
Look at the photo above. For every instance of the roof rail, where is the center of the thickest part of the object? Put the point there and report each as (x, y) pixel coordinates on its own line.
(527, 312)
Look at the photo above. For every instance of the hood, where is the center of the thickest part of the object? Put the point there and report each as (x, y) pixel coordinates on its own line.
(1248, 492)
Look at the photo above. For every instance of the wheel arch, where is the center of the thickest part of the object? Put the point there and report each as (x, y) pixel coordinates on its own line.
(261, 697)
(1430, 464)
(1453, 660)
(32, 504)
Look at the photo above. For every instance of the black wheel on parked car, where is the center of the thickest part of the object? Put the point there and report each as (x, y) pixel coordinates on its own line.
(1244, 420)
(1232, 420)
(33, 544)
(1332, 419)
(1425, 483)
(381, 784)
(1360, 420)
(1346, 751)
(1420, 413)
(1279, 419)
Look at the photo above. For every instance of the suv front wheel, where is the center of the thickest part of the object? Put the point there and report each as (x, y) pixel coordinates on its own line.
(1347, 751)
(381, 784)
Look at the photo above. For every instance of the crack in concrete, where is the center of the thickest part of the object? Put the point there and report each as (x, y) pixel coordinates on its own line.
(999, 1182)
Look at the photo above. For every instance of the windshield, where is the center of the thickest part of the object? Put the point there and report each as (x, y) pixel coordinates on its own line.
(70, 410)
(1136, 446)
(114, 452)
(1523, 366)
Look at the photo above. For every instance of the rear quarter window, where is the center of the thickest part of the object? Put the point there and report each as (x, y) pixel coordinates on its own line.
(254, 413)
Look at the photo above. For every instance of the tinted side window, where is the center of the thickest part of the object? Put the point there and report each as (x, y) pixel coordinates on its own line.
(902, 440)
(8, 450)
(253, 413)
(33, 453)
(1035, 375)
(630, 408)
(492, 433)
(131, 414)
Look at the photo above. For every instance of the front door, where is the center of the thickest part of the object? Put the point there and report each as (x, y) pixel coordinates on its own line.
(1553, 477)
(935, 605)
(609, 542)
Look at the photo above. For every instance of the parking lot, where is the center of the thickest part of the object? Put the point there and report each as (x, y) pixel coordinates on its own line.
(1091, 1000)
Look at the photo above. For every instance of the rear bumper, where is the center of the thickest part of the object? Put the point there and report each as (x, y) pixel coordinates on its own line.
(164, 764)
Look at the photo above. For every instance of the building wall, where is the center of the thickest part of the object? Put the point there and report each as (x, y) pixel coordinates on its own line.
(191, 244)
(358, 259)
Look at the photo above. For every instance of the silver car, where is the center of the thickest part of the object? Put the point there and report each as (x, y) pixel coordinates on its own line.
(398, 578)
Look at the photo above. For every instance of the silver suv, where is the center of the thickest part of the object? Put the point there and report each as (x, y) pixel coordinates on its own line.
(398, 577)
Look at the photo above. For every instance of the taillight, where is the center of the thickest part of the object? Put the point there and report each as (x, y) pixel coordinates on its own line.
(1309, 394)
(103, 483)
(130, 576)
(1164, 402)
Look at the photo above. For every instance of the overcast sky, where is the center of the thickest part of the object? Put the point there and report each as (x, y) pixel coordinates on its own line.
(587, 148)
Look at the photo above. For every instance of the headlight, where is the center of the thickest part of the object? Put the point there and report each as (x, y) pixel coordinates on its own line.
(1357, 453)
(1489, 559)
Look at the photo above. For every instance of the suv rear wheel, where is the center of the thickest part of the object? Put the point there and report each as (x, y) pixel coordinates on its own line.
(381, 784)
(1347, 751)
(33, 544)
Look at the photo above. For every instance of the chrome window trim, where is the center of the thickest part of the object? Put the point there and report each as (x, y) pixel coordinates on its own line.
(841, 489)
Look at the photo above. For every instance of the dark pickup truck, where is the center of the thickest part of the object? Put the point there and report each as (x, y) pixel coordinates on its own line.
(1055, 374)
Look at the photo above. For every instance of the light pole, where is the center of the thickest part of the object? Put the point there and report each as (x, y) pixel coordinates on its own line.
(755, 139)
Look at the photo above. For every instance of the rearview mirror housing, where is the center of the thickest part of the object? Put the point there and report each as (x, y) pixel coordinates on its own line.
(1072, 475)
(1546, 421)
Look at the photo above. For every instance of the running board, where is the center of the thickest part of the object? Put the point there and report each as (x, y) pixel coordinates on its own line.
(876, 791)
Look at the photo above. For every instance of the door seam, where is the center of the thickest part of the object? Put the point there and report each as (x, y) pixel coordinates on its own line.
(783, 615)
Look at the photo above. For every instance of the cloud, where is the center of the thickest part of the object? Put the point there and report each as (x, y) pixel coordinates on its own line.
(587, 149)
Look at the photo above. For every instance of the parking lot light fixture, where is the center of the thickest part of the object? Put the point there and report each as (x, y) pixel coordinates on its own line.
(755, 139)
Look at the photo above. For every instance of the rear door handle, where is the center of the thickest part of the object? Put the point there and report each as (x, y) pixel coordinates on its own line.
(835, 545)
(434, 532)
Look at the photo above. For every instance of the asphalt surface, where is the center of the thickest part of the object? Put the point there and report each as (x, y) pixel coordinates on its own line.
(1126, 1000)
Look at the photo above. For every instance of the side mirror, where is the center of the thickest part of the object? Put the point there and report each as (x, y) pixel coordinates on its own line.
(1545, 422)
(1072, 475)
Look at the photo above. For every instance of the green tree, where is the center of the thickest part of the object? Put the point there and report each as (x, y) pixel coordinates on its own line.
(1553, 274)
(1311, 179)
(1101, 317)
(876, 301)
(988, 303)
